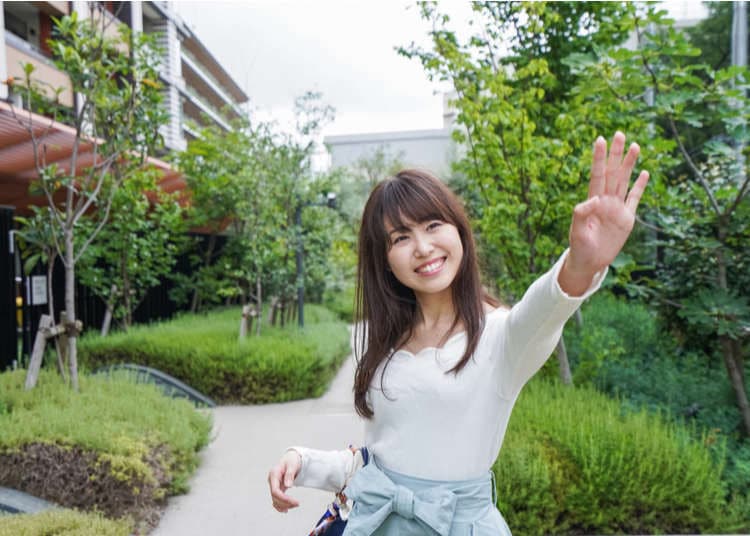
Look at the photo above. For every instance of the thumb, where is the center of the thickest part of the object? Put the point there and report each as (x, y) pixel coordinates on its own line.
(583, 210)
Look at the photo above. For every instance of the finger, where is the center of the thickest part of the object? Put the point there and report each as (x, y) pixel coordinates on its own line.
(623, 180)
(288, 478)
(598, 167)
(274, 482)
(613, 162)
(634, 197)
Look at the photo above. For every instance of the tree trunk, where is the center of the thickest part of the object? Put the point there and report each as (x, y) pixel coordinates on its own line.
(62, 338)
(51, 309)
(127, 321)
(735, 378)
(732, 362)
(106, 323)
(70, 307)
(195, 303)
(562, 357)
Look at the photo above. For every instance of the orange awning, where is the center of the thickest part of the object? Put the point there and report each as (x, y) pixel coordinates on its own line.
(55, 142)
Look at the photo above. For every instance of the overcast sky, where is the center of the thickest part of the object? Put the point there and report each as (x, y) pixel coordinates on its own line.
(277, 50)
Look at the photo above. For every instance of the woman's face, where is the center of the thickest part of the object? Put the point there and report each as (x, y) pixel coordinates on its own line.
(425, 256)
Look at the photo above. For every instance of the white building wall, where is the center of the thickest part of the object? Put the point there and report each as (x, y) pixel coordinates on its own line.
(431, 150)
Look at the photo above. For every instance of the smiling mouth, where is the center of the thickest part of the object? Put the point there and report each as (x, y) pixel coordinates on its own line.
(432, 267)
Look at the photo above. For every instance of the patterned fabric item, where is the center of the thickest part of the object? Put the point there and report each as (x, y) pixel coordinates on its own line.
(333, 521)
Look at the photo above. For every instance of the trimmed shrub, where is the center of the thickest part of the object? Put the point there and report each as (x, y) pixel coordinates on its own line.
(204, 351)
(63, 523)
(116, 447)
(573, 464)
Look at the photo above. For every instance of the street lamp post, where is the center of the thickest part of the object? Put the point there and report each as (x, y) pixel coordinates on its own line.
(330, 202)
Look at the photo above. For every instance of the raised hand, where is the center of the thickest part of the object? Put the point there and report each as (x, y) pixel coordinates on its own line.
(602, 224)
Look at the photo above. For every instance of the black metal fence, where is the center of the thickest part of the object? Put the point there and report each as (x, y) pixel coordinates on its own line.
(8, 326)
(18, 325)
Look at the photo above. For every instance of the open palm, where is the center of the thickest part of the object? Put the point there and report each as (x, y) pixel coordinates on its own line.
(602, 224)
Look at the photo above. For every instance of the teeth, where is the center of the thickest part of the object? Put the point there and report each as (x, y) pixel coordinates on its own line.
(431, 267)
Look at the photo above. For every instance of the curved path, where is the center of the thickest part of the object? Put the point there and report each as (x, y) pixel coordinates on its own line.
(229, 494)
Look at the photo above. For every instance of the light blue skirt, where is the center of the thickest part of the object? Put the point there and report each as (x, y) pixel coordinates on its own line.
(387, 503)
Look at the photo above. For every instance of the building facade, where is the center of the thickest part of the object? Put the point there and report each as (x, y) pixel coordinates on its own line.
(197, 89)
(197, 92)
(433, 149)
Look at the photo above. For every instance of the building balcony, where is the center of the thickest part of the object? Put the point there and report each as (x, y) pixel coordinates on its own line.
(19, 52)
(203, 83)
(195, 107)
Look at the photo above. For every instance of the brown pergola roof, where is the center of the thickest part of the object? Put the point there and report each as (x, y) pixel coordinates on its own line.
(55, 142)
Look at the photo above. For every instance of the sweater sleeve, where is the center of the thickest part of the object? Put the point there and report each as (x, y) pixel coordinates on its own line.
(533, 327)
(327, 470)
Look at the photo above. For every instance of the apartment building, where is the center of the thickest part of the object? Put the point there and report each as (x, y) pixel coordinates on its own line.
(197, 90)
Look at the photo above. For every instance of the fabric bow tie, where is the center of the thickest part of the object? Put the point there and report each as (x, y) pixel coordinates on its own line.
(376, 497)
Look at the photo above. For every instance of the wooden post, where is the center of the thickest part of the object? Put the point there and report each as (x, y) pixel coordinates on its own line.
(38, 351)
(243, 321)
(253, 317)
(272, 312)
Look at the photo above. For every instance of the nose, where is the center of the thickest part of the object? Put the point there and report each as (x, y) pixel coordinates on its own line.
(422, 245)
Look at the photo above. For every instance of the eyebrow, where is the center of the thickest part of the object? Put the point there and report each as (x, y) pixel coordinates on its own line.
(401, 229)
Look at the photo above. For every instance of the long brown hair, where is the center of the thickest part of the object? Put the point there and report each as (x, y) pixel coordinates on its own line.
(386, 311)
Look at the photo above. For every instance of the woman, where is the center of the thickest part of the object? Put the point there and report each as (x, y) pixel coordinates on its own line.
(439, 365)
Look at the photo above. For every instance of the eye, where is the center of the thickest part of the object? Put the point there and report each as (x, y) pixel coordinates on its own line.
(434, 225)
(399, 239)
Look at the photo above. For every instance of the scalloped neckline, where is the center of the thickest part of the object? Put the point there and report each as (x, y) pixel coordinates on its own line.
(447, 342)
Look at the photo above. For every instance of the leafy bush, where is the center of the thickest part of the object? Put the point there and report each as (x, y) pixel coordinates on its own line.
(63, 522)
(572, 463)
(115, 446)
(623, 352)
(204, 351)
(341, 302)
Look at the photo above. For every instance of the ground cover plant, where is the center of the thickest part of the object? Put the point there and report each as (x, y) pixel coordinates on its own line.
(115, 447)
(204, 351)
(63, 523)
(572, 463)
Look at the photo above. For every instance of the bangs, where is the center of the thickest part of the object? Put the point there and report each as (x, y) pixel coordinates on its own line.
(408, 201)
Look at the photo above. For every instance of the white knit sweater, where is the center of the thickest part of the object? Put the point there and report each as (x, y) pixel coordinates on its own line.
(438, 426)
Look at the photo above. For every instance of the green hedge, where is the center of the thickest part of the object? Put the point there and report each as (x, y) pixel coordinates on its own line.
(204, 351)
(63, 523)
(573, 464)
(115, 446)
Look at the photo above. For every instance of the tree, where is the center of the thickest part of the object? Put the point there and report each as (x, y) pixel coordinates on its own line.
(700, 198)
(135, 250)
(527, 153)
(248, 183)
(116, 121)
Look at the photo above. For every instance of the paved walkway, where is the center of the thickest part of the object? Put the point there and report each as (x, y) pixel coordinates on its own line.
(229, 493)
